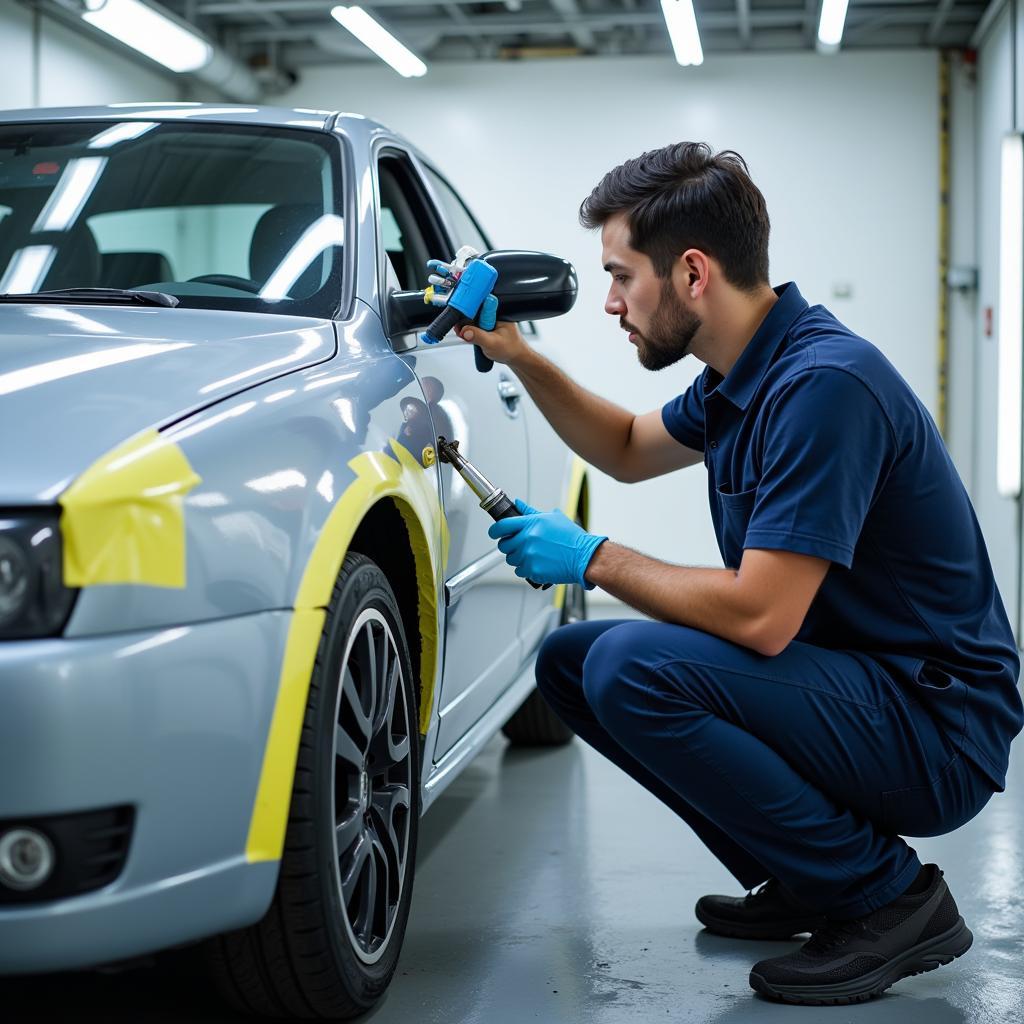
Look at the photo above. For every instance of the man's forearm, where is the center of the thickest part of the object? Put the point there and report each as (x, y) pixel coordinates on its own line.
(593, 427)
(706, 599)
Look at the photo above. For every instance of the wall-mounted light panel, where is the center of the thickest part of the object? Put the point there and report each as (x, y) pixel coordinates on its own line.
(1011, 315)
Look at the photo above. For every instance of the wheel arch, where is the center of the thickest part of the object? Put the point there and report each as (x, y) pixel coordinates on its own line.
(577, 502)
(386, 492)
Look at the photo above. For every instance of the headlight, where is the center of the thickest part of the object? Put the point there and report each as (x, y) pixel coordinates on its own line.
(33, 599)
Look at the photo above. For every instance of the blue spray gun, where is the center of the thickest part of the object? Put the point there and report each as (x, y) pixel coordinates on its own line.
(464, 288)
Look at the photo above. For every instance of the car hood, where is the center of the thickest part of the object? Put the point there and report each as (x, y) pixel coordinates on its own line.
(76, 381)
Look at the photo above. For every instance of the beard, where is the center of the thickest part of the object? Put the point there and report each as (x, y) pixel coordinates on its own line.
(670, 333)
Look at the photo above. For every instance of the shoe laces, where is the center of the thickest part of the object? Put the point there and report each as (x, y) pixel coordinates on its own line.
(764, 889)
(836, 934)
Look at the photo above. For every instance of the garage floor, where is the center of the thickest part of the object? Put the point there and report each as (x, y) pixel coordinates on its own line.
(551, 887)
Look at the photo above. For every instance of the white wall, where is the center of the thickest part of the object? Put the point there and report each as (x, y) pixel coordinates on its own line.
(963, 310)
(44, 63)
(845, 150)
(993, 118)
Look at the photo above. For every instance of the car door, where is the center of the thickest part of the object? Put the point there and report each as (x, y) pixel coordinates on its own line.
(549, 460)
(484, 596)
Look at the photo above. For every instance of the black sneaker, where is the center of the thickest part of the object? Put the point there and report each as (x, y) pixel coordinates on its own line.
(851, 961)
(765, 914)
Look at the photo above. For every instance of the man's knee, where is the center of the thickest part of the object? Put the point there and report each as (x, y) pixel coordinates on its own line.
(611, 685)
(559, 660)
(632, 669)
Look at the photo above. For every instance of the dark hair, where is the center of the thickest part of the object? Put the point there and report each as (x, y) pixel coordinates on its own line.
(686, 196)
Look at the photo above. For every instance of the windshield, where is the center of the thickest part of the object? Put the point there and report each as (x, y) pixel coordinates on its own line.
(221, 216)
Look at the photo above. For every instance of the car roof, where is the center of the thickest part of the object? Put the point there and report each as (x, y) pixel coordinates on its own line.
(215, 113)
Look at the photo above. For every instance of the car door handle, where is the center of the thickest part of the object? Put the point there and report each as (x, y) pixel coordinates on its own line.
(509, 392)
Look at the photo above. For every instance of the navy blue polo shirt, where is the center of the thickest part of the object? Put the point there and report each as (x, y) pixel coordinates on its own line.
(814, 443)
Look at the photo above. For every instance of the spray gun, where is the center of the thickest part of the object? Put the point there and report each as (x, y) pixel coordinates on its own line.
(463, 288)
(493, 500)
(527, 285)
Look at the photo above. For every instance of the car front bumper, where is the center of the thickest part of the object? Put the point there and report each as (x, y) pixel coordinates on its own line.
(171, 723)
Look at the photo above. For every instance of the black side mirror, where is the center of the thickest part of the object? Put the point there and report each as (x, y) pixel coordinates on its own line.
(530, 286)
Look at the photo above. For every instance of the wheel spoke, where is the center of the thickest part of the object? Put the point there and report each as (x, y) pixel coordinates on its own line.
(346, 749)
(351, 875)
(350, 693)
(386, 751)
(368, 891)
(382, 693)
(370, 678)
(385, 801)
(397, 752)
(383, 877)
(347, 831)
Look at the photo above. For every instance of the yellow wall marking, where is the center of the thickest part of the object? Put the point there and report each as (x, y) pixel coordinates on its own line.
(123, 519)
(414, 492)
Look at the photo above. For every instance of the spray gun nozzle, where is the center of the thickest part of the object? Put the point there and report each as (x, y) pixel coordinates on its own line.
(448, 450)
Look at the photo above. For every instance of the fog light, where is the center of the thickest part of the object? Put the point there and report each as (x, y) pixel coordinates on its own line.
(26, 859)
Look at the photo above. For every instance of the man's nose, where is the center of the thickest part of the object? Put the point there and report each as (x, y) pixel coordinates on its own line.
(614, 306)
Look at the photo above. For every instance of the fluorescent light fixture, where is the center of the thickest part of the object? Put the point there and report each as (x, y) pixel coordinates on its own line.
(1011, 316)
(150, 32)
(25, 272)
(321, 234)
(380, 40)
(120, 133)
(70, 194)
(682, 30)
(831, 24)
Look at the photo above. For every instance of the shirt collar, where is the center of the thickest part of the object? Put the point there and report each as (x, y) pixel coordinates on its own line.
(740, 383)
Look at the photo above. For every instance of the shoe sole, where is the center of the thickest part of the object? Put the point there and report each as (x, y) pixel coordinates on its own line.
(926, 956)
(738, 930)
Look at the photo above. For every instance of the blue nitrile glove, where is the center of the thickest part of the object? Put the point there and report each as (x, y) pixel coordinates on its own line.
(546, 547)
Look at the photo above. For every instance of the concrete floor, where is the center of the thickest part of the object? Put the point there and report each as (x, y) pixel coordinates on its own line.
(551, 887)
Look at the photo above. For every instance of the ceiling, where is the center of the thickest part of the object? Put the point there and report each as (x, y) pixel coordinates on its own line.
(304, 34)
(275, 36)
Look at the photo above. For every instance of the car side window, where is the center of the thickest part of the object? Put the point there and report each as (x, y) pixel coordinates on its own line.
(409, 231)
(462, 222)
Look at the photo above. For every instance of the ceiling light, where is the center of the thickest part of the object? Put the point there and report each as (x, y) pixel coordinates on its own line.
(150, 32)
(830, 27)
(682, 30)
(380, 40)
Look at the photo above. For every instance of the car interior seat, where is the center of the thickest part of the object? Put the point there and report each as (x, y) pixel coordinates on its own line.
(132, 269)
(273, 237)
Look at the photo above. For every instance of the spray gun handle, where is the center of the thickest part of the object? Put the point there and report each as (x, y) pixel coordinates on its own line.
(505, 508)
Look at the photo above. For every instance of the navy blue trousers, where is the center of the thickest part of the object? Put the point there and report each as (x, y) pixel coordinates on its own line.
(806, 767)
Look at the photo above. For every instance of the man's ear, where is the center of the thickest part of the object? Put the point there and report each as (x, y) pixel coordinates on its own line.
(695, 267)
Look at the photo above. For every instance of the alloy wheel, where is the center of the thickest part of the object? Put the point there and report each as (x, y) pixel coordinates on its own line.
(372, 769)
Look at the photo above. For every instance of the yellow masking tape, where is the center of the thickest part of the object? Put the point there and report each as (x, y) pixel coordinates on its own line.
(123, 519)
(378, 475)
(273, 797)
(570, 508)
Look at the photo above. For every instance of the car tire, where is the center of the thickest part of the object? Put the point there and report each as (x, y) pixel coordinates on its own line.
(326, 949)
(534, 724)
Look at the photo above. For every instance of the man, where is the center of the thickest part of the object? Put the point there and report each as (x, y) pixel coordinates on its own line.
(850, 676)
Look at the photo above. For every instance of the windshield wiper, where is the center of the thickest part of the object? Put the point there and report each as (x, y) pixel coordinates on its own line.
(102, 296)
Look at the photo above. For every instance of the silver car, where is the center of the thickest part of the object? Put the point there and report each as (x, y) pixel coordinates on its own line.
(250, 626)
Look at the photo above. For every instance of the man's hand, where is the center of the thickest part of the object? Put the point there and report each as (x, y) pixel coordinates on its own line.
(546, 547)
(504, 344)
